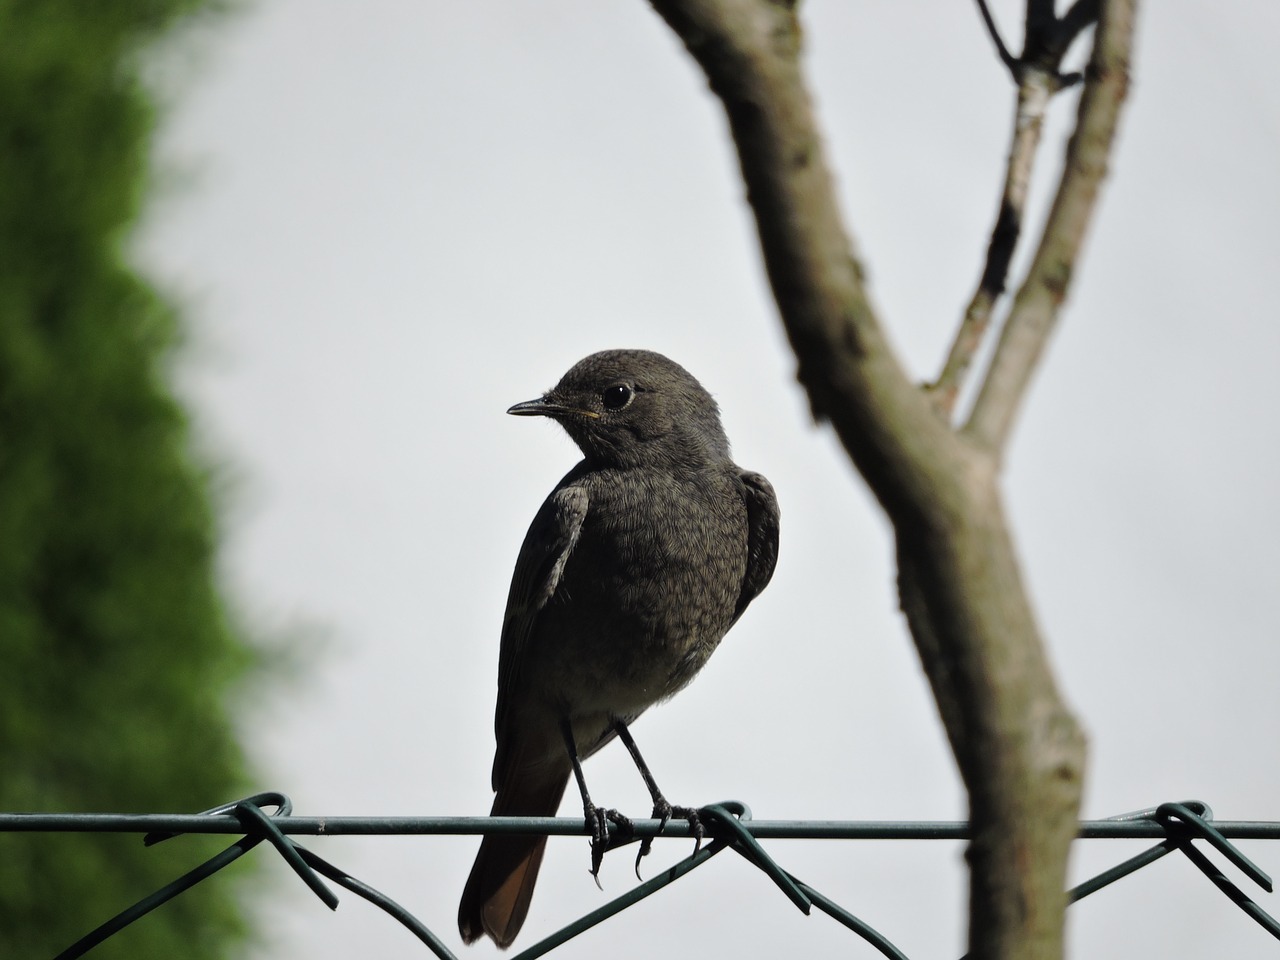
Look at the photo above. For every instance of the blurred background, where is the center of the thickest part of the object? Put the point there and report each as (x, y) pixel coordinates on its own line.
(384, 223)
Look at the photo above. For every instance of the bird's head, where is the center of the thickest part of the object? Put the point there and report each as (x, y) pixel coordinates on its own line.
(626, 408)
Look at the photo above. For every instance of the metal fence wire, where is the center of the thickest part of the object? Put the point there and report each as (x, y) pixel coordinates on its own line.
(728, 825)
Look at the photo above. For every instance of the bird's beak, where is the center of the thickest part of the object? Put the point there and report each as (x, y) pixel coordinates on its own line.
(545, 407)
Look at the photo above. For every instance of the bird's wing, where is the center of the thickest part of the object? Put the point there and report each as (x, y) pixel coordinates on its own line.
(762, 537)
(547, 545)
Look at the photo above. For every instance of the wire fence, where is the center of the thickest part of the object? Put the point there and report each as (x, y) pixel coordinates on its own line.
(729, 825)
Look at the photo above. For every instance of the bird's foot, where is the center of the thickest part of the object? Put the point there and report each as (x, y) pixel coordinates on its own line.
(598, 820)
(664, 811)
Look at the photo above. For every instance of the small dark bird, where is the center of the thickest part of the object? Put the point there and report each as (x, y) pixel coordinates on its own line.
(639, 561)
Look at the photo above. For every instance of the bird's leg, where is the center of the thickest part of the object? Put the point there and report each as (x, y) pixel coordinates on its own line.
(662, 810)
(597, 819)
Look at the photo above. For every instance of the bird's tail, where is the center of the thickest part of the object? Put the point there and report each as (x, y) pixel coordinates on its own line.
(496, 898)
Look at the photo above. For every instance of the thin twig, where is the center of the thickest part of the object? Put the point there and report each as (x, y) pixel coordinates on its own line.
(1008, 59)
(1034, 93)
(1039, 77)
(1036, 306)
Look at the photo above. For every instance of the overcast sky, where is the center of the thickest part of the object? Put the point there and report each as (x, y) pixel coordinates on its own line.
(389, 221)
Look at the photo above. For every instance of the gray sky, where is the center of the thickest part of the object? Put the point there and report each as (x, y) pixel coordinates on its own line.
(391, 220)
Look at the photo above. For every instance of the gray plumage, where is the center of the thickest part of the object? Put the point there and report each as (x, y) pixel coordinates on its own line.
(636, 565)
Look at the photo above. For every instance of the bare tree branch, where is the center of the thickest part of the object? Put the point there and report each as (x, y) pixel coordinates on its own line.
(1034, 93)
(1007, 58)
(749, 50)
(1038, 75)
(1036, 306)
(1082, 14)
(1048, 38)
(1040, 24)
(1019, 749)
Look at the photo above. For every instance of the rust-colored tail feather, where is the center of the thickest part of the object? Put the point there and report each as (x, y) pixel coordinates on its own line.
(496, 898)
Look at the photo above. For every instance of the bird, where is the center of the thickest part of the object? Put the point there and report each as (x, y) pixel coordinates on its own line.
(632, 571)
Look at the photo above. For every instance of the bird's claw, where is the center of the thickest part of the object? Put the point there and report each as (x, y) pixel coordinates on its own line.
(598, 820)
(664, 811)
(695, 824)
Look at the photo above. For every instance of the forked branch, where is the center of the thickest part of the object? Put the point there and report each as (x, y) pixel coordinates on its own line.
(1036, 306)
(1019, 749)
(1038, 73)
(1034, 93)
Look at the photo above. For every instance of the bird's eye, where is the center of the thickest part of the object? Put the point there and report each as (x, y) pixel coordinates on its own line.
(616, 397)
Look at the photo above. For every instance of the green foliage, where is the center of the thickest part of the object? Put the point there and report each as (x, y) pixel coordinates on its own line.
(116, 655)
